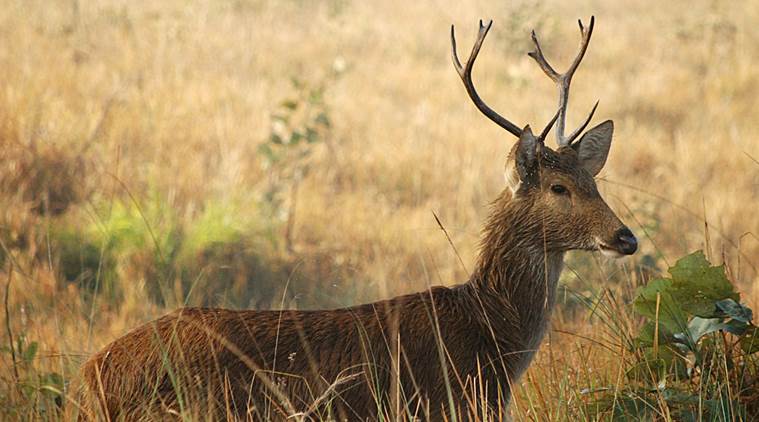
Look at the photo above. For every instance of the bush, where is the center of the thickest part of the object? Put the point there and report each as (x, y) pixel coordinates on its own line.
(695, 357)
(45, 389)
(86, 262)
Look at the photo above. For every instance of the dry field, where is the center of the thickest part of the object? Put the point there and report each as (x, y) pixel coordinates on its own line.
(146, 163)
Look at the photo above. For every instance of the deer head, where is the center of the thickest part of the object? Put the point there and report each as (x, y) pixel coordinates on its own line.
(556, 188)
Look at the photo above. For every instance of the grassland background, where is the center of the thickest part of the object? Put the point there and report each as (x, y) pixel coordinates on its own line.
(130, 167)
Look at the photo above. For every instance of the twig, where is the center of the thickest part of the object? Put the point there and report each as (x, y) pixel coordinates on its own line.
(290, 224)
(751, 158)
(450, 242)
(8, 321)
(609, 347)
(325, 396)
(98, 130)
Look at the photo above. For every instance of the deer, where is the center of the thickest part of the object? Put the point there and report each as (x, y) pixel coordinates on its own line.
(445, 352)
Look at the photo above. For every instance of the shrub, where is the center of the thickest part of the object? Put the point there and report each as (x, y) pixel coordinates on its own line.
(228, 257)
(695, 357)
(298, 126)
(30, 385)
(86, 262)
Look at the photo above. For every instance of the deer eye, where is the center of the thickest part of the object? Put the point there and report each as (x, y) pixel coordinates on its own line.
(559, 189)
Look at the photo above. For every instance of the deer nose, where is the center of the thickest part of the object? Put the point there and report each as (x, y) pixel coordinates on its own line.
(626, 241)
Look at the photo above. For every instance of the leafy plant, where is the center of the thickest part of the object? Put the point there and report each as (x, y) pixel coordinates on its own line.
(226, 257)
(695, 356)
(86, 262)
(300, 123)
(44, 389)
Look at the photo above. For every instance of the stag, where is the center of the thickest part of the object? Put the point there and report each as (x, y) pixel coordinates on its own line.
(443, 352)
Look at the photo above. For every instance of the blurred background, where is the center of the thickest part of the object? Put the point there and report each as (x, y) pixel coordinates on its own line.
(255, 154)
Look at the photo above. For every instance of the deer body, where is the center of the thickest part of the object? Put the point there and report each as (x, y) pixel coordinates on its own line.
(426, 355)
(314, 349)
(489, 335)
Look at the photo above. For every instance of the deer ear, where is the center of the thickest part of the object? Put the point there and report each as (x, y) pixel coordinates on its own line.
(593, 148)
(522, 166)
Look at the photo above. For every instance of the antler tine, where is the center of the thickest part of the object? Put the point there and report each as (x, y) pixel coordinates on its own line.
(548, 127)
(584, 42)
(465, 72)
(572, 136)
(540, 58)
(564, 80)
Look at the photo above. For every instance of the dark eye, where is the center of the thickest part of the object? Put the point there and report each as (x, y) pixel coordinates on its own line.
(559, 189)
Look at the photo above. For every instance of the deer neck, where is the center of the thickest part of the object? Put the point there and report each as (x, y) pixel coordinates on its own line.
(515, 278)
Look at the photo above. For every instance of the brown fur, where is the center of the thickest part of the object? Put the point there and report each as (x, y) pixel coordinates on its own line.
(398, 356)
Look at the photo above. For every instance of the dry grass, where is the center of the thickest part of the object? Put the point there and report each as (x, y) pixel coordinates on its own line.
(159, 108)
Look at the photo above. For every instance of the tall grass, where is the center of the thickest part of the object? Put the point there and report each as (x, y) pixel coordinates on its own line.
(132, 178)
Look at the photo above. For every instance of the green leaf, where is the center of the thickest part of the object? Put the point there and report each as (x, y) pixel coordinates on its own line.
(629, 406)
(323, 119)
(645, 297)
(696, 285)
(268, 153)
(289, 104)
(52, 379)
(699, 327)
(27, 389)
(735, 310)
(654, 367)
(311, 135)
(648, 333)
(295, 137)
(736, 327)
(316, 96)
(670, 315)
(30, 352)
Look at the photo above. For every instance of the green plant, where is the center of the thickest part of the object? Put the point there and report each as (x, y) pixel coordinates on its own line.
(227, 257)
(85, 261)
(31, 385)
(695, 357)
(300, 123)
(144, 238)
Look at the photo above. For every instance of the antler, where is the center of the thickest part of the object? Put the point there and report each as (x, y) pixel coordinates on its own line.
(564, 80)
(465, 72)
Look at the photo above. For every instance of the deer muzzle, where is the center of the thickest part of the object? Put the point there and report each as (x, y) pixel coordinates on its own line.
(623, 243)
